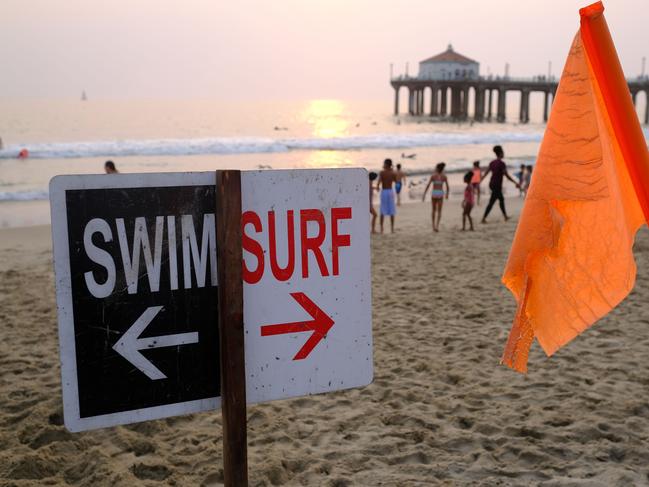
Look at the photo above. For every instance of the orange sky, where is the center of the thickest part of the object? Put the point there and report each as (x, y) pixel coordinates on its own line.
(282, 49)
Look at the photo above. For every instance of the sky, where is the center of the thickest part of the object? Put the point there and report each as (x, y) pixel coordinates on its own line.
(282, 49)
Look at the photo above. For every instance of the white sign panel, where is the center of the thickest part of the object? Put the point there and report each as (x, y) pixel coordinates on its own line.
(307, 287)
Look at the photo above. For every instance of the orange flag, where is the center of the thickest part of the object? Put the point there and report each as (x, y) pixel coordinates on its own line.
(572, 261)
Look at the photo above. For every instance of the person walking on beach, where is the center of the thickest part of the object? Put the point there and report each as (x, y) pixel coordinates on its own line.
(373, 177)
(475, 180)
(468, 201)
(520, 175)
(498, 170)
(387, 177)
(110, 168)
(401, 181)
(438, 180)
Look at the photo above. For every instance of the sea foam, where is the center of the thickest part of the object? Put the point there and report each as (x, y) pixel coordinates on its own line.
(35, 195)
(256, 145)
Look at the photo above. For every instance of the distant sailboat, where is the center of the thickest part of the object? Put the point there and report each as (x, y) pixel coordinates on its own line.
(83, 96)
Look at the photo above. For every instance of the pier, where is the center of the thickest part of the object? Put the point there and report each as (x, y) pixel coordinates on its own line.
(453, 81)
(450, 98)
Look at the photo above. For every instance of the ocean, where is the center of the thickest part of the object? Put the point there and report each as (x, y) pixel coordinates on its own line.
(77, 137)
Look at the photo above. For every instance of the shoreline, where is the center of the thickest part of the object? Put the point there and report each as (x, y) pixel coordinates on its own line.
(30, 213)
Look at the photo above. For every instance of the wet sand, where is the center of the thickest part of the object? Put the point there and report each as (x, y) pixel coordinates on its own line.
(441, 411)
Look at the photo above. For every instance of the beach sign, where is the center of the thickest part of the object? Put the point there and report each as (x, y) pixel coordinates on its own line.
(137, 269)
(306, 282)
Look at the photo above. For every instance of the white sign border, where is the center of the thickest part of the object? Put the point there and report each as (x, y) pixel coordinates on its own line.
(61, 253)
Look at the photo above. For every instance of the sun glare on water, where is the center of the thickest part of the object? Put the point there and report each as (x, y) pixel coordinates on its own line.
(327, 118)
(327, 158)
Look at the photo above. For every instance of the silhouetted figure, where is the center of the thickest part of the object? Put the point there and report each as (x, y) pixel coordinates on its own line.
(498, 170)
(401, 180)
(110, 168)
(373, 177)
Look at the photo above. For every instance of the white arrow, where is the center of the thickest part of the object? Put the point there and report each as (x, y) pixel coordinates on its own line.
(130, 344)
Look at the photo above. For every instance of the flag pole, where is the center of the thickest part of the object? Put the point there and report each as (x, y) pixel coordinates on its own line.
(617, 98)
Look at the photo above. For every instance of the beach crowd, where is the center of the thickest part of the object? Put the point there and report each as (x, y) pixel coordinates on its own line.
(390, 182)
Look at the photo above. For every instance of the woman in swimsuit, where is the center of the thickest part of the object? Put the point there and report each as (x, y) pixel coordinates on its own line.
(438, 180)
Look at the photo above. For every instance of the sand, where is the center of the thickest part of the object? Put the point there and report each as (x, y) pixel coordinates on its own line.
(441, 411)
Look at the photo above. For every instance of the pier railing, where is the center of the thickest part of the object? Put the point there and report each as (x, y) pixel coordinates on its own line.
(523, 79)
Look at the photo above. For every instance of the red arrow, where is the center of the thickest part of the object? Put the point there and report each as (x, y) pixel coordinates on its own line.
(320, 325)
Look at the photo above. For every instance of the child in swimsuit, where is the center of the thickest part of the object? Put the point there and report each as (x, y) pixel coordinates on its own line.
(401, 179)
(476, 177)
(438, 180)
(527, 180)
(467, 203)
(520, 175)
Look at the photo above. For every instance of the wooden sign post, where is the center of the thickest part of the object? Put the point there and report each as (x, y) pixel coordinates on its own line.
(230, 293)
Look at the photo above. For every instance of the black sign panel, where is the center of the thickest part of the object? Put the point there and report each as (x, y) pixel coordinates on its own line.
(137, 297)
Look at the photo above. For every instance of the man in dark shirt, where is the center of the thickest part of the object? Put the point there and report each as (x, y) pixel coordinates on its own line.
(498, 170)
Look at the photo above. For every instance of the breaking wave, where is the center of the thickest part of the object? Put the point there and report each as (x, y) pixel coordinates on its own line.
(255, 145)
